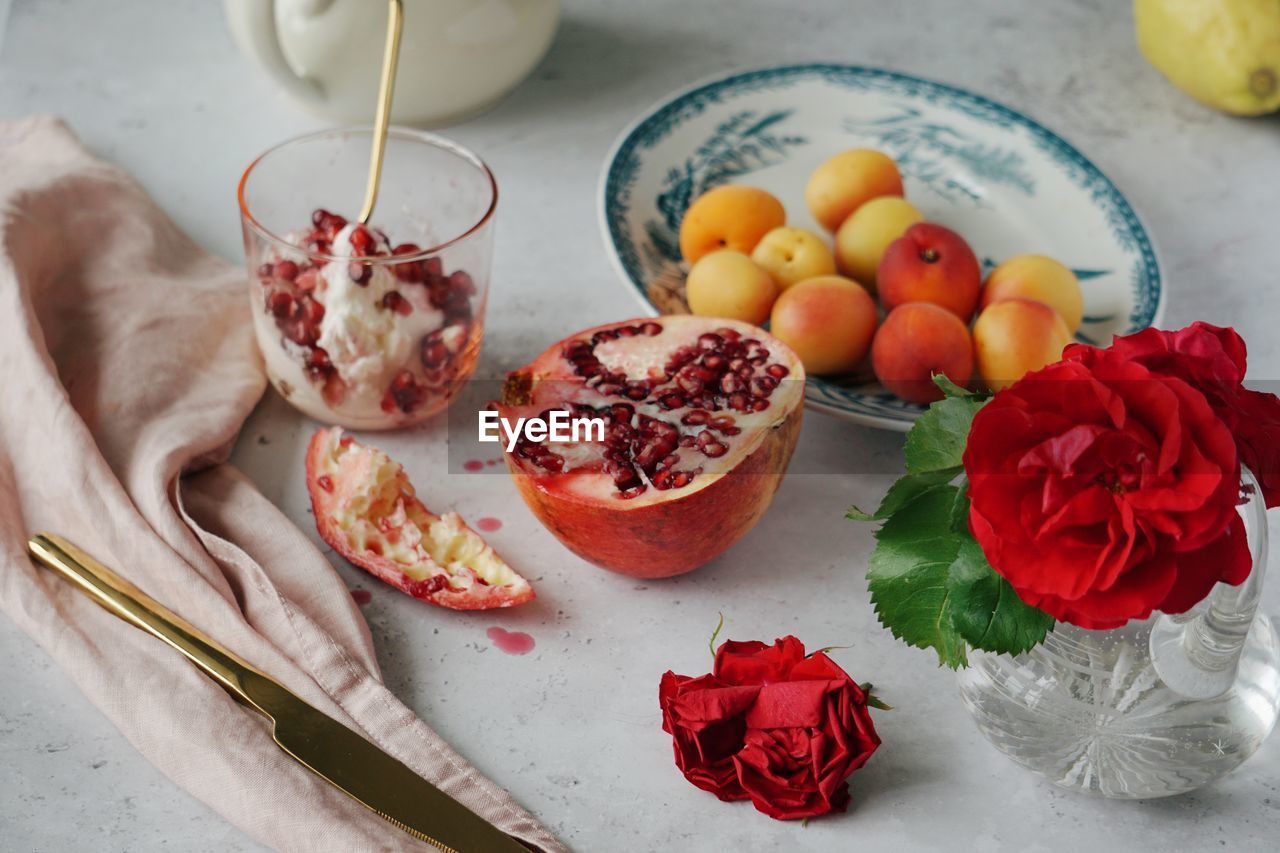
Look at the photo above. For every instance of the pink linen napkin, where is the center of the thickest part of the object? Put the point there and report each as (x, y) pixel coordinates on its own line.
(128, 367)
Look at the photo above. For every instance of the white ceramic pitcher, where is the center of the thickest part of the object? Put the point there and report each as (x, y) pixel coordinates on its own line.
(457, 57)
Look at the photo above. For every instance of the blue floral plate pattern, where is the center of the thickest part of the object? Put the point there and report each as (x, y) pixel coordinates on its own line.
(1003, 181)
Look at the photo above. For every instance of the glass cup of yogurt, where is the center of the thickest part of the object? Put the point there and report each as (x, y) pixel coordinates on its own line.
(368, 326)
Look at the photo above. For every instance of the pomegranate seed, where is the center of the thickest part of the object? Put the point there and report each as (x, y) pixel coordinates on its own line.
(681, 479)
(307, 280)
(729, 334)
(360, 273)
(325, 482)
(759, 404)
(461, 282)
(710, 341)
(636, 491)
(434, 267)
(326, 221)
(651, 329)
(410, 271)
(397, 303)
(714, 449)
(362, 241)
(671, 460)
(550, 461)
(661, 480)
(317, 246)
(739, 402)
(686, 441)
(286, 270)
(731, 384)
(312, 312)
(280, 303)
(777, 371)
(671, 400)
(434, 354)
(636, 391)
(264, 271)
(715, 362)
(621, 413)
(628, 331)
(696, 417)
(763, 385)
(603, 336)
(435, 583)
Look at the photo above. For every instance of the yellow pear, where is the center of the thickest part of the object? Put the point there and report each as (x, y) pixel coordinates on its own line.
(1224, 53)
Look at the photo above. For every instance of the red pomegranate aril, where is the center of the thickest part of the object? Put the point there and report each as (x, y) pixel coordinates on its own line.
(731, 384)
(410, 271)
(715, 362)
(325, 482)
(622, 412)
(397, 303)
(307, 280)
(671, 460)
(434, 353)
(671, 400)
(681, 479)
(286, 270)
(636, 391)
(280, 303)
(312, 311)
(651, 329)
(759, 404)
(326, 221)
(603, 337)
(360, 273)
(317, 247)
(265, 272)
(362, 242)
(460, 282)
(777, 371)
(695, 417)
(762, 386)
(687, 441)
(710, 341)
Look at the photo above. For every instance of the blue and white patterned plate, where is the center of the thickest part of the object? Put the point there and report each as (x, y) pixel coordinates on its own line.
(1003, 181)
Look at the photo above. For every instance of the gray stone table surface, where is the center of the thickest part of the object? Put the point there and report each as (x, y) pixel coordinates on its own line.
(573, 728)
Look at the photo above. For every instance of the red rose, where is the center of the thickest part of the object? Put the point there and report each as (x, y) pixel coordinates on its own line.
(770, 725)
(1213, 360)
(1102, 490)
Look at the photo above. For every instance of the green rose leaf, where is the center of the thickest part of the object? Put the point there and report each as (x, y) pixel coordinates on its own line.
(986, 611)
(910, 568)
(936, 441)
(904, 491)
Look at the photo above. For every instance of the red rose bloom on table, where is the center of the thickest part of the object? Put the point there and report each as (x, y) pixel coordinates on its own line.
(1103, 489)
(772, 725)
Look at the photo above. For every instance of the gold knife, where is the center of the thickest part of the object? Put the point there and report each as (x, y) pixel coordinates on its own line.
(327, 748)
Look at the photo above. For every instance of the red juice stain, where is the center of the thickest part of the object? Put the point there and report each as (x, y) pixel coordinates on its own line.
(472, 465)
(489, 525)
(511, 642)
(361, 596)
(493, 462)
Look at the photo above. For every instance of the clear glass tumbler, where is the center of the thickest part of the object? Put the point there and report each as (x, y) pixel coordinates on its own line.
(371, 327)
(1156, 708)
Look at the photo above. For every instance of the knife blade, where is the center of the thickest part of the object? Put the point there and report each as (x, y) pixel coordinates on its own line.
(327, 748)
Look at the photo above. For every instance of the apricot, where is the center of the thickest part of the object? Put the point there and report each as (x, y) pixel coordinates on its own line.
(929, 263)
(728, 217)
(916, 341)
(863, 238)
(829, 322)
(847, 181)
(1040, 278)
(793, 254)
(1014, 337)
(729, 284)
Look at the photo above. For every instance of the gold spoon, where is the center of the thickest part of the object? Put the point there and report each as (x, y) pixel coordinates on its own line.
(386, 86)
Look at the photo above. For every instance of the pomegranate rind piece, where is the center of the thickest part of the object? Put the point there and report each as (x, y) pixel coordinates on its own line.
(660, 533)
(367, 510)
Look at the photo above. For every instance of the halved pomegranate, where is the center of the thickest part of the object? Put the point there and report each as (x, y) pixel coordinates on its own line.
(702, 415)
(367, 510)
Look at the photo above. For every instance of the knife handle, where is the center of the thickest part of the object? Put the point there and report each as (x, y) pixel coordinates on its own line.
(137, 608)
